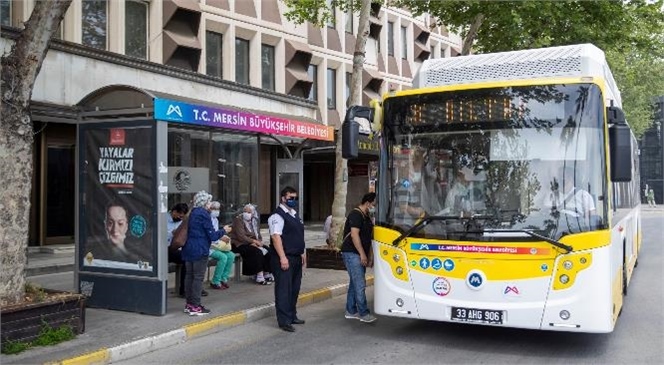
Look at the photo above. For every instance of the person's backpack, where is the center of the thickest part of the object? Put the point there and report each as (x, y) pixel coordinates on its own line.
(341, 238)
(180, 234)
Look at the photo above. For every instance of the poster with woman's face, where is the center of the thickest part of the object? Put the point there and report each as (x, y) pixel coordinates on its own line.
(118, 192)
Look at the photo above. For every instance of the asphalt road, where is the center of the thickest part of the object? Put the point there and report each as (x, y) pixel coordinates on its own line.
(328, 338)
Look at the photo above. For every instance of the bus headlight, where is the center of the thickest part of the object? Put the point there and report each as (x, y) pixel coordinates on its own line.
(567, 265)
(583, 260)
(564, 315)
(399, 270)
(399, 302)
(396, 257)
(564, 279)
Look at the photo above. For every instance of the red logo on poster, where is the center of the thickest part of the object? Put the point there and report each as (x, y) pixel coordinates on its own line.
(117, 137)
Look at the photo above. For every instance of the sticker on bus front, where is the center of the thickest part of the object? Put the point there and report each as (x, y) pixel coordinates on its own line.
(441, 286)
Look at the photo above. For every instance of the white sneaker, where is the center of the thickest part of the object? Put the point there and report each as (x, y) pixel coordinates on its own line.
(368, 318)
(351, 316)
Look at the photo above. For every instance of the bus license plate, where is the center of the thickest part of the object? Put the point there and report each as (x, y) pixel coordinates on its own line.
(477, 315)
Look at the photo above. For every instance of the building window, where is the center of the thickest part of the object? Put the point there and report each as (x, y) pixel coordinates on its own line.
(94, 23)
(404, 43)
(136, 29)
(390, 38)
(349, 21)
(313, 75)
(213, 48)
(267, 61)
(332, 22)
(432, 55)
(229, 162)
(331, 88)
(242, 61)
(6, 10)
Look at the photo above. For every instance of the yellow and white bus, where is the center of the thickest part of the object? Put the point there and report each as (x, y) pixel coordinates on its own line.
(508, 192)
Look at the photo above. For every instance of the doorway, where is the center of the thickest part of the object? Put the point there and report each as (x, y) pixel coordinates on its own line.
(58, 185)
(289, 173)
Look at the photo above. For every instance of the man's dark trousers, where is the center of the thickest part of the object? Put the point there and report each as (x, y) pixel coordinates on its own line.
(287, 288)
(175, 256)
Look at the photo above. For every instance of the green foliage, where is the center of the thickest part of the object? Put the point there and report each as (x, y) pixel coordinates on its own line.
(52, 336)
(631, 32)
(511, 25)
(15, 347)
(318, 12)
(48, 336)
(35, 291)
(640, 79)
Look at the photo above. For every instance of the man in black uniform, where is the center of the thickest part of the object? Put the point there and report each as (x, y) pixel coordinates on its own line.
(287, 258)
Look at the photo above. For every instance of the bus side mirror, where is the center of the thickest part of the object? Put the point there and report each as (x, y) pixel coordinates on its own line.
(350, 130)
(620, 146)
(615, 115)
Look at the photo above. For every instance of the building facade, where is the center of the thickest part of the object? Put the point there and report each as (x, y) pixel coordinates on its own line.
(651, 159)
(110, 58)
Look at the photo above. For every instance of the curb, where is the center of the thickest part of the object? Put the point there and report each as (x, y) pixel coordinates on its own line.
(191, 331)
(48, 269)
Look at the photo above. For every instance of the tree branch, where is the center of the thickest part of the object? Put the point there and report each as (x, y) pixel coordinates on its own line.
(472, 33)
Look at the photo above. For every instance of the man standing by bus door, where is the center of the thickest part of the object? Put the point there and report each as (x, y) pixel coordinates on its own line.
(287, 258)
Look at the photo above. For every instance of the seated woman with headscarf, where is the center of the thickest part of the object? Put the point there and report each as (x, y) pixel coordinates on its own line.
(247, 241)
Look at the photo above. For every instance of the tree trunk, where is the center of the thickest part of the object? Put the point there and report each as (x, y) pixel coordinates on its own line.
(19, 71)
(472, 33)
(341, 170)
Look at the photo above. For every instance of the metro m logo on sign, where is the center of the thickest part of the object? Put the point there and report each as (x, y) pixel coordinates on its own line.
(174, 109)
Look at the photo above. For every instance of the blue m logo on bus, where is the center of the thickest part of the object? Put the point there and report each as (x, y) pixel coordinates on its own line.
(475, 279)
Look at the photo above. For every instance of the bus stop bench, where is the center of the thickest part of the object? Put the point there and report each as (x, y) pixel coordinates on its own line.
(237, 269)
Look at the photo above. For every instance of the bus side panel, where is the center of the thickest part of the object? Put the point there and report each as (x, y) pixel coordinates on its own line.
(632, 238)
(624, 252)
(588, 300)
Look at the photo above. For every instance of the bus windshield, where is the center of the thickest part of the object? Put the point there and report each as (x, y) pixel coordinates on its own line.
(513, 158)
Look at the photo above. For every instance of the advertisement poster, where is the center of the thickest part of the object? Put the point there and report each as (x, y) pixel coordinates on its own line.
(118, 193)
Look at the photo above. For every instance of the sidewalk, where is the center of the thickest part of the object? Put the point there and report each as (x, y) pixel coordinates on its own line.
(658, 208)
(115, 335)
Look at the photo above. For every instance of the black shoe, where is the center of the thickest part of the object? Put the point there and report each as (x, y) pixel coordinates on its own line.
(298, 321)
(287, 328)
(204, 293)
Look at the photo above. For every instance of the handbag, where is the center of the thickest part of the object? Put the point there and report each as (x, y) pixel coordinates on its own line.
(222, 245)
(180, 234)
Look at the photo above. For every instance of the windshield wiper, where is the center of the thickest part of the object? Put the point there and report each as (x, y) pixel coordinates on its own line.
(421, 224)
(556, 243)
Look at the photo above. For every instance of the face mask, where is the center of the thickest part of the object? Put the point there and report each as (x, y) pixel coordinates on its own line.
(246, 216)
(215, 213)
(372, 210)
(177, 219)
(292, 203)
